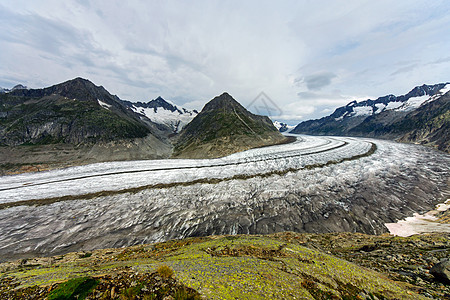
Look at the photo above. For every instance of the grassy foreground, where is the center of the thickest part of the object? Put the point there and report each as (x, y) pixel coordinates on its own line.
(221, 267)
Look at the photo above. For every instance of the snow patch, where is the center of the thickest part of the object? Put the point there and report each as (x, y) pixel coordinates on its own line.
(173, 119)
(393, 105)
(439, 94)
(420, 223)
(279, 125)
(413, 103)
(380, 107)
(362, 111)
(103, 104)
(445, 89)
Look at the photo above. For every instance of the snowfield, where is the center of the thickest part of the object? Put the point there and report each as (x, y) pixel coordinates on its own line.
(317, 184)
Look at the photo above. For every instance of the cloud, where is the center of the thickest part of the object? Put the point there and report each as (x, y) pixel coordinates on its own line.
(306, 55)
(319, 80)
(405, 69)
(293, 111)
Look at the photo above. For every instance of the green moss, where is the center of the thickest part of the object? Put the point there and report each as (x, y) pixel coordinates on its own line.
(77, 288)
(242, 267)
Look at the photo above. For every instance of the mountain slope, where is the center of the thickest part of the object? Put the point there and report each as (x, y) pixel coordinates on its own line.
(74, 112)
(224, 127)
(162, 112)
(429, 125)
(421, 116)
(280, 266)
(75, 122)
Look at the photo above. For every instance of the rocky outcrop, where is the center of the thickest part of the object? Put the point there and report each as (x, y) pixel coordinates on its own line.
(441, 271)
(224, 127)
(428, 125)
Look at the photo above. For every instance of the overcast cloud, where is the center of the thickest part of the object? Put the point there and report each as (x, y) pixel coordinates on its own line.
(308, 57)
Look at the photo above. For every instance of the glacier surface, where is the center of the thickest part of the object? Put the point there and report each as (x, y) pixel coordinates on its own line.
(317, 184)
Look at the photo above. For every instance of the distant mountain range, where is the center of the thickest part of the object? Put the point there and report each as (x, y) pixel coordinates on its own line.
(76, 122)
(421, 116)
(78, 114)
(224, 127)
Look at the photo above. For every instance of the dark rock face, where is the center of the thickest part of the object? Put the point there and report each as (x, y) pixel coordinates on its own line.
(223, 127)
(73, 112)
(427, 124)
(441, 271)
(283, 127)
(156, 103)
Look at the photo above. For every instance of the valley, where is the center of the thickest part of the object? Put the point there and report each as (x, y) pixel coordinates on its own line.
(315, 184)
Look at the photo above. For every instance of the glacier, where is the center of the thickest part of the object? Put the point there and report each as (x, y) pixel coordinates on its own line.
(317, 184)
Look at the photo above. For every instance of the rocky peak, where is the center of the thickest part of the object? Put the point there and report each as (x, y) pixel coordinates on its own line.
(78, 88)
(160, 102)
(225, 103)
(19, 87)
(224, 127)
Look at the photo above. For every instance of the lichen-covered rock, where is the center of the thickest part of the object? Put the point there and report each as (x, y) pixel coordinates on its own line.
(441, 271)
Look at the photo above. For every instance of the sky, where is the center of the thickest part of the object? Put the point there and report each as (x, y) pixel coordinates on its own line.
(294, 60)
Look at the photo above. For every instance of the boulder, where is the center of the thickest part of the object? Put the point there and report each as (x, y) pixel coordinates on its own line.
(441, 271)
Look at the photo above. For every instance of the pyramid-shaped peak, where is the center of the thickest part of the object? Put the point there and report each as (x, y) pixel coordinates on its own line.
(223, 102)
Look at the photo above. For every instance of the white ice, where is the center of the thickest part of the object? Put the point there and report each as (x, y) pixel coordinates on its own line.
(114, 176)
(172, 119)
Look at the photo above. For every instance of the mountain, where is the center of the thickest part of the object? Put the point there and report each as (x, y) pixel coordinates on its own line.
(75, 122)
(420, 116)
(74, 112)
(162, 112)
(224, 127)
(19, 87)
(282, 127)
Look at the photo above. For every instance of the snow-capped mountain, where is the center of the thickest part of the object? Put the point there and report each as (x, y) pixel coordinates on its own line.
(164, 112)
(16, 87)
(19, 87)
(282, 127)
(414, 99)
(420, 116)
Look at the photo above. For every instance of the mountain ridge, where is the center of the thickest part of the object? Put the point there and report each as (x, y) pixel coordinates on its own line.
(390, 117)
(72, 123)
(163, 112)
(75, 111)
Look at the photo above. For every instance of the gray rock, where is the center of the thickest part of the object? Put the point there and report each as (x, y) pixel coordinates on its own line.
(441, 271)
